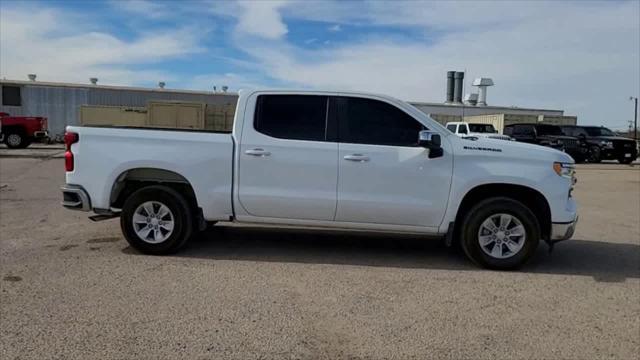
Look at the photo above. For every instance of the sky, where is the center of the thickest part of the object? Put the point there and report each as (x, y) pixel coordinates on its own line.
(579, 56)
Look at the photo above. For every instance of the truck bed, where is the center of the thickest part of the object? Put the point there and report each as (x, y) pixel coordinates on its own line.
(204, 159)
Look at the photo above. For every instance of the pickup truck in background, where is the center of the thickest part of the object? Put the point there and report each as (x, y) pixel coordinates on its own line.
(550, 136)
(18, 132)
(332, 160)
(464, 129)
(604, 144)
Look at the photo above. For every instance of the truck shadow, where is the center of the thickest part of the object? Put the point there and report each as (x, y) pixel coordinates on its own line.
(604, 261)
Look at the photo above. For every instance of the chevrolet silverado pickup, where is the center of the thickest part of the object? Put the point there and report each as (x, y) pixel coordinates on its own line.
(332, 160)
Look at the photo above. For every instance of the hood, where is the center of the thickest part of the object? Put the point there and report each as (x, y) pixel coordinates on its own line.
(511, 149)
(610, 138)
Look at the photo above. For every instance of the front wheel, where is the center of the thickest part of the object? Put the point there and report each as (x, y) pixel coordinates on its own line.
(16, 140)
(595, 155)
(156, 220)
(500, 233)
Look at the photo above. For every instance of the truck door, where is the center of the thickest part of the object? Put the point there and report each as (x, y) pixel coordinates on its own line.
(384, 176)
(287, 167)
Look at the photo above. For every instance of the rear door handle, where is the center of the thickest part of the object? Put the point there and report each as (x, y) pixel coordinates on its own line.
(257, 152)
(357, 158)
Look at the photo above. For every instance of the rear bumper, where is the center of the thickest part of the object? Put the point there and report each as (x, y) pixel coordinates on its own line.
(563, 231)
(41, 134)
(74, 197)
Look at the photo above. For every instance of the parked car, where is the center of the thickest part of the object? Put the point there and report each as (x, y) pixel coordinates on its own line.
(280, 165)
(604, 144)
(550, 136)
(464, 129)
(20, 131)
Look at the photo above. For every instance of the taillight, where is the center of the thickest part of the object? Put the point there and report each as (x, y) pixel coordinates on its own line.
(43, 124)
(69, 139)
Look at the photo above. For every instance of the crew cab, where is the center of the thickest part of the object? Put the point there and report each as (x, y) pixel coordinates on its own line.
(464, 129)
(20, 131)
(328, 160)
(550, 136)
(604, 144)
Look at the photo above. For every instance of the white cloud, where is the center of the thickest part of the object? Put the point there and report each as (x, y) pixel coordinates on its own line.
(335, 28)
(261, 18)
(145, 8)
(58, 49)
(581, 57)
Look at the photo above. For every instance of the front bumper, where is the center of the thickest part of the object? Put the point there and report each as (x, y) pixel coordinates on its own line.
(41, 134)
(74, 197)
(563, 231)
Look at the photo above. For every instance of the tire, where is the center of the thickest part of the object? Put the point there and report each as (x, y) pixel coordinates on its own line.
(16, 140)
(474, 225)
(625, 161)
(595, 154)
(171, 238)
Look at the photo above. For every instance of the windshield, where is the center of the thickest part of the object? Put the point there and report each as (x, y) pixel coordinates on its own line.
(599, 131)
(548, 130)
(482, 128)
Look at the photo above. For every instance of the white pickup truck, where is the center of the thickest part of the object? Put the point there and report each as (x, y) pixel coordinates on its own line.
(463, 129)
(332, 160)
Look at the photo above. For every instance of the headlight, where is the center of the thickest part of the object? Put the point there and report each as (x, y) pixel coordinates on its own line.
(564, 169)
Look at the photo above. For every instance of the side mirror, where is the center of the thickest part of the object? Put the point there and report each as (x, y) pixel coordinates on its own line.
(432, 141)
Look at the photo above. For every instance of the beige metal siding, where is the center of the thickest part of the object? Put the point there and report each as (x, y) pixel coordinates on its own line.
(443, 119)
(182, 115)
(497, 120)
(112, 115)
(560, 120)
(219, 117)
(510, 119)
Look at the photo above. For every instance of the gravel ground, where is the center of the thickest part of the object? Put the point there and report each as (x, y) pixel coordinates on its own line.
(74, 289)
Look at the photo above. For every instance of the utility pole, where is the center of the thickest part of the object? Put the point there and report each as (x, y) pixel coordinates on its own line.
(635, 117)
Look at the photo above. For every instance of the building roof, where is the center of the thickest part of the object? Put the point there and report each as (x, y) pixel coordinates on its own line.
(489, 107)
(112, 87)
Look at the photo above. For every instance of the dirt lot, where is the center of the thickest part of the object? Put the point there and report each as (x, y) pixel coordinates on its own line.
(73, 289)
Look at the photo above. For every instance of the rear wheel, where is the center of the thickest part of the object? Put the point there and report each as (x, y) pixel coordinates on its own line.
(156, 220)
(500, 233)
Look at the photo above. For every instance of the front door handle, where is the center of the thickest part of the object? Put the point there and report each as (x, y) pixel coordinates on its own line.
(257, 152)
(357, 158)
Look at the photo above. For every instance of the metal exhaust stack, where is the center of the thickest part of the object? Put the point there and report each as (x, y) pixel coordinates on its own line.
(459, 77)
(450, 84)
(482, 84)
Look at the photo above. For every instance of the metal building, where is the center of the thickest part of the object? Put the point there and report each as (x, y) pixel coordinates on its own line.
(61, 102)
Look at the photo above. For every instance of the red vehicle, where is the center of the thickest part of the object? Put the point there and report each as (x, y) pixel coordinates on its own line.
(19, 131)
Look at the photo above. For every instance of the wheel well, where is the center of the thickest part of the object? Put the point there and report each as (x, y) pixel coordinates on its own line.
(13, 129)
(134, 179)
(529, 197)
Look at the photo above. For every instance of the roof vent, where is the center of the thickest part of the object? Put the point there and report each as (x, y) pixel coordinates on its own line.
(94, 81)
(225, 88)
(161, 84)
(32, 77)
(482, 84)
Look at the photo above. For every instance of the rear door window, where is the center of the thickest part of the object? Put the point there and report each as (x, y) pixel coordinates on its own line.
(368, 121)
(295, 117)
